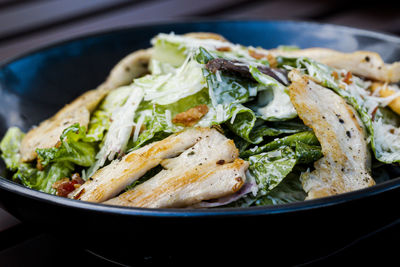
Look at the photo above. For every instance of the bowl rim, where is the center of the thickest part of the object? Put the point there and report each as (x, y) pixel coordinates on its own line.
(26, 192)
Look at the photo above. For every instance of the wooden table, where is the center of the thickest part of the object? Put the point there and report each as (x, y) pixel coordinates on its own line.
(27, 24)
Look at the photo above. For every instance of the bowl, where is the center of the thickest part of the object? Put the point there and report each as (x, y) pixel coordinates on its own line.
(35, 85)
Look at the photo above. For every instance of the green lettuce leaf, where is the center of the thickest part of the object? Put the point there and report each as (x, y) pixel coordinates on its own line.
(173, 49)
(165, 51)
(168, 88)
(27, 173)
(157, 119)
(273, 103)
(277, 128)
(43, 180)
(288, 191)
(9, 147)
(74, 148)
(227, 93)
(269, 168)
(307, 138)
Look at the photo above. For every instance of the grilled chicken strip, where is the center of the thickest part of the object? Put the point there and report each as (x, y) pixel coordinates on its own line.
(363, 63)
(48, 132)
(208, 170)
(113, 178)
(346, 163)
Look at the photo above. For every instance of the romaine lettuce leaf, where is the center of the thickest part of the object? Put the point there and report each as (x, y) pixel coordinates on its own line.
(74, 147)
(308, 138)
(288, 191)
(269, 168)
(43, 180)
(160, 68)
(278, 128)
(27, 173)
(9, 147)
(157, 119)
(273, 103)
(165, 51)
(168, 88)
(227, 93)
(173, 49)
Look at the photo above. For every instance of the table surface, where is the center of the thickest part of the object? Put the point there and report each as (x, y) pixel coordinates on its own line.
(28, 24)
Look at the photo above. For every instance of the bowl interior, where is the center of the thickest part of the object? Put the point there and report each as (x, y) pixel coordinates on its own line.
(34, 86)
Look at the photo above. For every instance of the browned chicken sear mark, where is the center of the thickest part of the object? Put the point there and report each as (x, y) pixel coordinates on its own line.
(239, 68)
(191, 116)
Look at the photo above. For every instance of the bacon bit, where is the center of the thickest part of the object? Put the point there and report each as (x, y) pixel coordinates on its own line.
(256, 55)
(272, 61)
(224, 49)
(348, 77)
(58, 144)
(59, 182)
(191, 116)
(335, 75)
(66, 185)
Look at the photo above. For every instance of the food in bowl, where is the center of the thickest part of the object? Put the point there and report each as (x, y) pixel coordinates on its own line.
(196, 121)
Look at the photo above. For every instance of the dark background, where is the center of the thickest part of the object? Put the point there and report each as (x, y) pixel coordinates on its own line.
(27, 24)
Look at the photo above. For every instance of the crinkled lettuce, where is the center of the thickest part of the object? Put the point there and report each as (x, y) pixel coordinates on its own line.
(43, 180)
(288, 191)
(270, 168)
(307, 139)
(9, 147)
(273, 103)
(164, 89)
(27, 173)
(274, 163)
(74, 147)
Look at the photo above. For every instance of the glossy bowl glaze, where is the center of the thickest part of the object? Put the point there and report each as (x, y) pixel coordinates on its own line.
(35, 85)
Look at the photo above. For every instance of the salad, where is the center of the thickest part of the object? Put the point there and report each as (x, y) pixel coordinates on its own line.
(196, 121)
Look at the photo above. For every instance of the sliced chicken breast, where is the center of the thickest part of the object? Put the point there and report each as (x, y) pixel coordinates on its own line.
(48, 132)
(113, 178)
(346, 163)
(208, 170)
(363, 63)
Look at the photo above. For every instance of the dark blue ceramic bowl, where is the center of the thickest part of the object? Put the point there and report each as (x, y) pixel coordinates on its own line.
(35, 85)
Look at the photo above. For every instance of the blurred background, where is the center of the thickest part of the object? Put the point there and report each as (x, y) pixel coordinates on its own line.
(29, 24)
